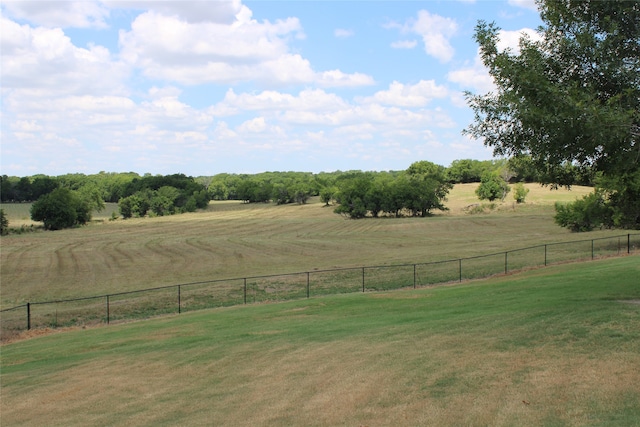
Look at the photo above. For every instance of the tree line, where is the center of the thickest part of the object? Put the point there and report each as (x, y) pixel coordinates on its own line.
(68, 200)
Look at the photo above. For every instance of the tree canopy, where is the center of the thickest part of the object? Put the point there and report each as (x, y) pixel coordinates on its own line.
(569, 97)
(62, 208)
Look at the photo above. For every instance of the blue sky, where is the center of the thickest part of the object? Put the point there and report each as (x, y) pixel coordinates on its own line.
(205, 87)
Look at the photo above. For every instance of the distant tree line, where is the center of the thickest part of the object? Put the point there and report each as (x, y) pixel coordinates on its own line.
(416, 191)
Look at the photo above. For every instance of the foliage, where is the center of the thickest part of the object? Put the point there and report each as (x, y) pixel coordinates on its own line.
(62, 208)
(327, 195)
(468, 170)
(584, 214)
(520, 193)
(492, 187)
(570, 99)
(419, 190)
(4, 223)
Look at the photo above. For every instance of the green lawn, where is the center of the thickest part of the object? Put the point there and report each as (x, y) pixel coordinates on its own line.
(554, 346)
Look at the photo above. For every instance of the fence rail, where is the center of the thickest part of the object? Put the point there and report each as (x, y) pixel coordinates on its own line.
(184, 297)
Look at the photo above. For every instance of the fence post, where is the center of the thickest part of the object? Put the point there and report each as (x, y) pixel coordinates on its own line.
(545, 255)
(362, 279)
(628, 243)
(308, 290)
(245, 291)
(592, 253)
(179, 305)
(506, 254)
(28, 316)
(460, 268)
(414, 276)
(108, 310)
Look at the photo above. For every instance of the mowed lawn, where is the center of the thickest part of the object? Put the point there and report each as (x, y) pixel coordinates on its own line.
(553, 346)
(234, 240)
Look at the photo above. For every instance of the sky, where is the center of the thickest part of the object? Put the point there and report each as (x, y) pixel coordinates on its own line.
(214, 86)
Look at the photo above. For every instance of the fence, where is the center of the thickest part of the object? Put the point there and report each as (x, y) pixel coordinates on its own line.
(249, 290)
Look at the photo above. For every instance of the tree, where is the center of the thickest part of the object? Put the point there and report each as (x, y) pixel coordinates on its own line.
(571, 97)
(430, 187)
(492, 187)
(62, 208)
(352, 191)
(465, 171)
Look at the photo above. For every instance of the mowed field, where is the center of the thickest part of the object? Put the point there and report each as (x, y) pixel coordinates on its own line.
(234, 240)
(558, 346)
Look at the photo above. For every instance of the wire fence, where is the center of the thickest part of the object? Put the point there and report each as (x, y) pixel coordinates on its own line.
(118, 307)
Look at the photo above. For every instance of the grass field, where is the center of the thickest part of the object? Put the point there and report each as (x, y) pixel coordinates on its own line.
(232, 240)
(549, 347)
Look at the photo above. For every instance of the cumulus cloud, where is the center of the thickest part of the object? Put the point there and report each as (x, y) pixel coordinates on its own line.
(62, 14)
(306, 100)
(473, 77)
(192, 11)
(435, 31)
(45, 60)
(210, 52)
(417, 95)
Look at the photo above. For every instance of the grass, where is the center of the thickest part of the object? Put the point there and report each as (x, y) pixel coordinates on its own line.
(557, 346)
(232, 240)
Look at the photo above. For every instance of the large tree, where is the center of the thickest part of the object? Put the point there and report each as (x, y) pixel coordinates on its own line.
(62, 208)
(569, 97)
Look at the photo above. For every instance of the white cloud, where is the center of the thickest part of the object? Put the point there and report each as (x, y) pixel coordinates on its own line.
(45, 60)
(306, 100)
(192, 11)
(64, 14)
(526, 4)
(255, 125)
(473, 77)
(511, 39)
(417, 95)
(435, 31)
(205, 52)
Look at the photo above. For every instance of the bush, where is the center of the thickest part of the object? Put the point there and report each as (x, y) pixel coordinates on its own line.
(520, 192)
(492, 187)
(4, 223)
(584, 214)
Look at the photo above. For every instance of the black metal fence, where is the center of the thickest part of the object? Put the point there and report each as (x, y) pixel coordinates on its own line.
(259, 289)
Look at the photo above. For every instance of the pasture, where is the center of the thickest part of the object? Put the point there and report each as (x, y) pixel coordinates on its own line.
(232, 239)
(554, 346)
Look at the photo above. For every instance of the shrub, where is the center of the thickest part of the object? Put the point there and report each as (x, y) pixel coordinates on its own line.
(4, 223)
(492, 187)
(584, 214)
(520, 192)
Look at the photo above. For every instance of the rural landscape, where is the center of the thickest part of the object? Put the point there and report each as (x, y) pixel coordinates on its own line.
(499, 292)
(557, 345)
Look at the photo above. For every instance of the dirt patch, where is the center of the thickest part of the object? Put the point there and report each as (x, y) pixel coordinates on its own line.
(630, 301)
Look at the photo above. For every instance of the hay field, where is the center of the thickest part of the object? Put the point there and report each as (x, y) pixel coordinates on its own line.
(555, 346)
(232, 240)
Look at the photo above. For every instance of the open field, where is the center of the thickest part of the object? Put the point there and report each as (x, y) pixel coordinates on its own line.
(557, 346)
(232, 240)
